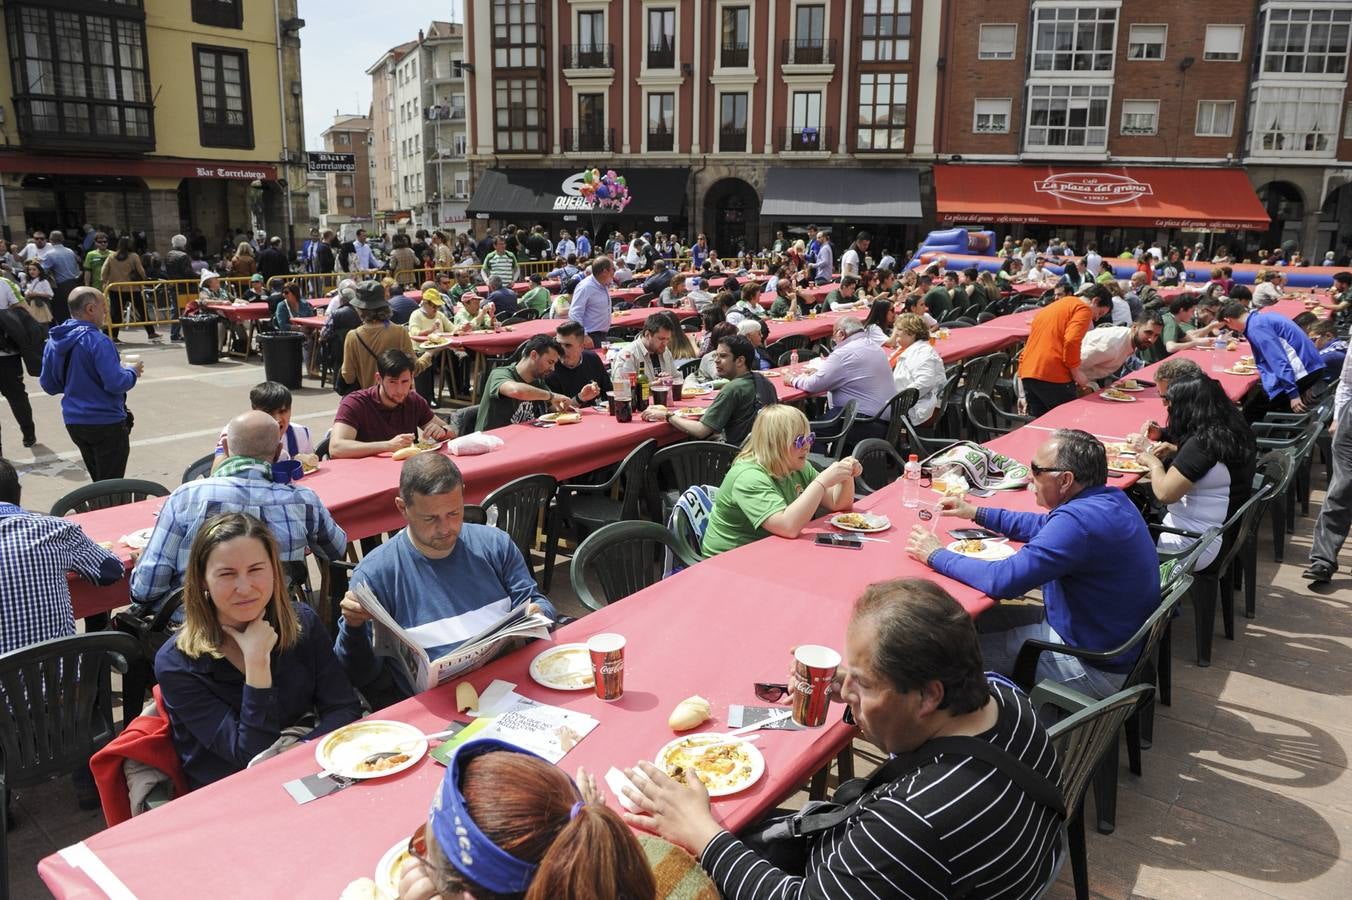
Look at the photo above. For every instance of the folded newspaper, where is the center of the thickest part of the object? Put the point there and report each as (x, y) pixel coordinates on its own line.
(410, 657)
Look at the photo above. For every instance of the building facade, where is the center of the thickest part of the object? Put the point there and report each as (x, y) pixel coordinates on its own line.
(153, 117)
(349, 194)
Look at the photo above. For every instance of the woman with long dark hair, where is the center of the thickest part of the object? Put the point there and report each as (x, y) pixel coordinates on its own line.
(1071, 278)
(881, 317)
(1211, 461)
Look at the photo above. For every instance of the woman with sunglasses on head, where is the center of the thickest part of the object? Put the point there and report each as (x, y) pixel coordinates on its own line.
(772, 488)
(506, 823)
(247, 663)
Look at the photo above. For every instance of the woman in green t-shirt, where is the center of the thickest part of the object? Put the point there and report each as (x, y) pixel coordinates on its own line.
(772, 488)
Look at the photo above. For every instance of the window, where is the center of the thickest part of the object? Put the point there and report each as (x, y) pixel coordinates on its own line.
(1074, 39)
(224, 115)
(345, 202)
(882, 112)
(518, 115)
(1308, 41)
(458, 145)
(341, 139)
(1223, 43)
(461, 186)
(996, 41)
(345, 181)
(661, 38)
(220, 13)
(735, 50)
(1296, 121)
(1068, 115)
(732, 123)
(80, 76)
(885, 31)
(516, 34)
(991, 116)
(591, 123)
(1140, 116)
(661, 121)
(1347, 121)
(809, 35)
(806, 130)
(591, 40)
(1147, 41)
(1215, 118)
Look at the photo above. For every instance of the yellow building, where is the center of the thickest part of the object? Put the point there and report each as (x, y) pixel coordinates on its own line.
(154, 116)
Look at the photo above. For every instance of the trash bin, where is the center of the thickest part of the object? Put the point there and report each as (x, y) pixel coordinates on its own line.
(201, 340)
(282, 357)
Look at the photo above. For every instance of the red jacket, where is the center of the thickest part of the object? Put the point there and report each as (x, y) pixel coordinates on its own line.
(146, 739)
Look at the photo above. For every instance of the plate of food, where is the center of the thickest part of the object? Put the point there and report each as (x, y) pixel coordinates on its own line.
(562, 418)
(725, 764)
(390, 867)
(415, 448)
(436, 340)
(695, 390)
(138, 539)
(1126, 465)
(865, 523)
(691, 412)
(1116, 448)
(1232, 345)
(347, 751)
(1117, 396)
(1131, 385)
(566, 667)
(1239, 369)
(1246, 360)
(309, 462)
(987, 549)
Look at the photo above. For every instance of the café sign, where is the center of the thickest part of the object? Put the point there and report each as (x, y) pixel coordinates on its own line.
(1094, 188)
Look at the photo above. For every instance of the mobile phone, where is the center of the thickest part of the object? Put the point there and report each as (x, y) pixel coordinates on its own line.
(973, 534)
(839, 540)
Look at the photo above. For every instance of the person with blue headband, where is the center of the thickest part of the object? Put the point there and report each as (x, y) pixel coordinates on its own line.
(507, 823)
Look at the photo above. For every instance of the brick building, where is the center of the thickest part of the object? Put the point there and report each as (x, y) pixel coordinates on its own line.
(349, 194)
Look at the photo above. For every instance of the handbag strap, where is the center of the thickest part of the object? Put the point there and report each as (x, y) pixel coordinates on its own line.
(1037, 786)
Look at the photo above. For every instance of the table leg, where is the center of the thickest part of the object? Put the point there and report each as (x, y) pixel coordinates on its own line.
(312, 338)
(476, 371)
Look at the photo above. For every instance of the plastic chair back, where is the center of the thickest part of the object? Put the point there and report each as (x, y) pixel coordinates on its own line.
(515, 508)
(679, 466)
(463, 420)
(898, 408)
(832, 432)
(199, 469)
(881, 462)
(623, 558)
(1082, 739)
(105, 494)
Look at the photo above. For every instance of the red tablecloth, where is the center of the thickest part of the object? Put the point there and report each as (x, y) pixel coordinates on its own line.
(320, 302)
(243, 312)
(309, 322)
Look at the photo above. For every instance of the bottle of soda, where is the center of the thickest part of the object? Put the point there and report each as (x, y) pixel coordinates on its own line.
(793, 357)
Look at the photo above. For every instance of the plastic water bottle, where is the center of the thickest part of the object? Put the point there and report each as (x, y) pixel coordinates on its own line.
(793, 357)
(910, 490)
(1219, 345)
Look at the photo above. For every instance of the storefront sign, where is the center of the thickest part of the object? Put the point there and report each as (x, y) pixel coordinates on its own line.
(1094, 188)
(331, 162)
(148, 167)
(571, 198)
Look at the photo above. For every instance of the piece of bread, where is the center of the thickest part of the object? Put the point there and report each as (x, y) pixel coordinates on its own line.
(361, 889)
(466, 697)
(406, 453)
(689, 713)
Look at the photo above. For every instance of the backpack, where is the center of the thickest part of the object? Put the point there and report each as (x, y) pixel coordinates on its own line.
(21, 333)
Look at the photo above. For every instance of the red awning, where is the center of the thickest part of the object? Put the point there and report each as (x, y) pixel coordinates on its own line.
(1219, 199)
(145, 167)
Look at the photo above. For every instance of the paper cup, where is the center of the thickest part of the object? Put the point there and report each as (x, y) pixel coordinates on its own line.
(814, 668)
(607, 659)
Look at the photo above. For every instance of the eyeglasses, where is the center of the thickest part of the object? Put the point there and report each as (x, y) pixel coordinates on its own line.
(804, 441)
(100, 240)
(770, 691)
(1040, 470)
(417, 846)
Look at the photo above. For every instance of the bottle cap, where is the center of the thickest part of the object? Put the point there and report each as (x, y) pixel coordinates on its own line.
(913, 458)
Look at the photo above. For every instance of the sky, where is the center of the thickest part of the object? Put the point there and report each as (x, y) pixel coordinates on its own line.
(340, 40)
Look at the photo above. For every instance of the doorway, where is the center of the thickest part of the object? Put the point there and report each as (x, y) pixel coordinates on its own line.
(732, 216)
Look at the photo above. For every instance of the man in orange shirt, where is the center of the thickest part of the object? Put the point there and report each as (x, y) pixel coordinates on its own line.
(1050, 368)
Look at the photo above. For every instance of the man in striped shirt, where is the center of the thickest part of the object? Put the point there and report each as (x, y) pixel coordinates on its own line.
(500, 263)
(950, 825)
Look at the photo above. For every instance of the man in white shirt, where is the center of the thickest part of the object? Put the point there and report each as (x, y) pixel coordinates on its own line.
(365, 256)
(1103, 351)
(697, 295)
(1268, 291)
(648, 353)
(1092, 261)
(852, 261)
(37, 248)
(1039, 273)
(565, 246)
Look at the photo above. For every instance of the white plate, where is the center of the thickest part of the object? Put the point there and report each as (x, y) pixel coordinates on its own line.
(1130, 390)
(387, 870)
(992, 550)
(1247, 373)
(566, 667)
(1117, 467)
(340, 751)
(700, 391)
(1105, 396)
(137, 540)
(757, 761)
(875, 523)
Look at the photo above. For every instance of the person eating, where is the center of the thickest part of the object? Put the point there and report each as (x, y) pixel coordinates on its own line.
(385, 417)
(735, 408)
(247, 662)
(580, 373)
(917, 365)
(520, 392)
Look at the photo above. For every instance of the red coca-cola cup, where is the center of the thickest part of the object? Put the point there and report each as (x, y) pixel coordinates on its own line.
(607, 659)
(814, 668)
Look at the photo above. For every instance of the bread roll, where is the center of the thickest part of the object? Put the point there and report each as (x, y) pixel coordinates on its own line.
(466, 697)
(361, 889)
(689, 713)
(406, 453)
(656, 409)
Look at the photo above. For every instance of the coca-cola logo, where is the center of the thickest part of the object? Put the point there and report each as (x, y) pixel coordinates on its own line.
(1094, 188)
(612, 668)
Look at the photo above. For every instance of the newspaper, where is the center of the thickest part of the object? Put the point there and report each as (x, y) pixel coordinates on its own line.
(410, 658)
(548, 731)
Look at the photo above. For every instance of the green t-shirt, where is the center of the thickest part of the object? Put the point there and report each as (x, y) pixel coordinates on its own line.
(939, 301)
(496, 411)
(1173, 330)
(780, 308)
(746, 498)
(537, 298)
(457, 289)
(93, 264)
(734, 409)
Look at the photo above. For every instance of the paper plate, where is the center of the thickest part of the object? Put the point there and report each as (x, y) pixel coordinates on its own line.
(748, 763)
(1124, 466)
(1107, 395)
(562, 418)
(389, 867)
(990, 550)
(1136, 388)
(865, 523)
(138, 539)
(1245, 373)
(691, 412)
(699, 391)
(566, 667)
(341, 751)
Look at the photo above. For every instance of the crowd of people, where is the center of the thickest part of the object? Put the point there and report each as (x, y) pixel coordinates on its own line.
(246, 662)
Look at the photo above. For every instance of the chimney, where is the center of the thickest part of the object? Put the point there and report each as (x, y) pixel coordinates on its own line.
(421, 38)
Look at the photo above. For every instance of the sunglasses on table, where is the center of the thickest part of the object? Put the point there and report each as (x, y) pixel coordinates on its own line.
(770, 691)
(804, 441)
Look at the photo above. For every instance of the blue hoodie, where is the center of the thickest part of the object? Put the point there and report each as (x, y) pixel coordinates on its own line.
(1285, 355)
(81, 363)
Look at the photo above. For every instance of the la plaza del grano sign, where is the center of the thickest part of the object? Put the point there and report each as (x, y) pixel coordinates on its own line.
(1094, 188)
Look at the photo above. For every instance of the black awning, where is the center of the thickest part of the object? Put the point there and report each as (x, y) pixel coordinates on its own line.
(858, 195)
(540, 193)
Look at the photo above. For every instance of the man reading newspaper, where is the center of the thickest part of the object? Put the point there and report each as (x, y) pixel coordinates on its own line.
(446, 586)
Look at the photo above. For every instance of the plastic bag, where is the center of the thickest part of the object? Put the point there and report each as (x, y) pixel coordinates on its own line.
(474, 444)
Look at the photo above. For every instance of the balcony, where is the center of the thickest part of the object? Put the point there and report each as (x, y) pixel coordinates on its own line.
(661, 56)
(450, 72)
(734, 56)
(72, 123)
(590, 140)
(443, 113)
(732, 140)
(804, 139)
(587, 56)
(807, 52)
(661, 142)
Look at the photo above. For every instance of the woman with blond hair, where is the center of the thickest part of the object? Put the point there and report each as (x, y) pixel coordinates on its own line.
(247, 663)
(771, 487)
(916, 364)
(243, 263)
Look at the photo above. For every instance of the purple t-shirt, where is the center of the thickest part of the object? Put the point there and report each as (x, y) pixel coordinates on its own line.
(375, 422)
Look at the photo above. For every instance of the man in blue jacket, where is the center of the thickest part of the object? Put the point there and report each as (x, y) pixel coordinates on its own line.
(81, 363)
(1288, 363)
(1092, 555)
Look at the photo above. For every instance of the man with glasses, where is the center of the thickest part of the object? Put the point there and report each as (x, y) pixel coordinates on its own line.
(857, 369)
(1091, 554)
(93, 261)
(36, 249)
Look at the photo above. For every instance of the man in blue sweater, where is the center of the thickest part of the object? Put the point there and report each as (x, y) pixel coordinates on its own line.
(1092, 555)
(1288, 363)
(442, 580)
